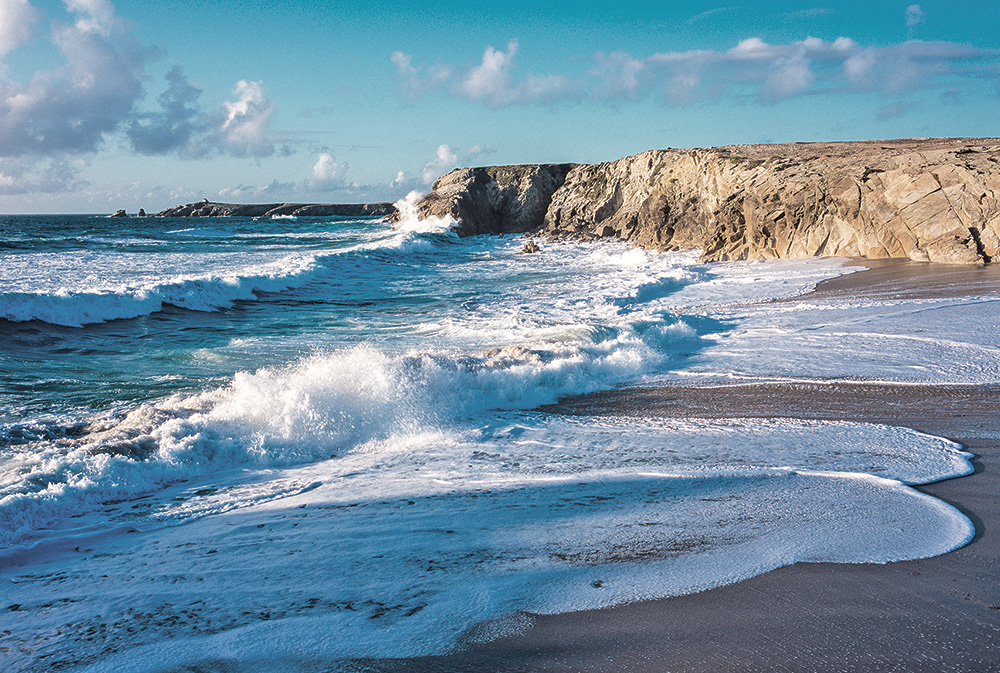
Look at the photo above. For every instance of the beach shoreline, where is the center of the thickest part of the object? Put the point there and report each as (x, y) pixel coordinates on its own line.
(934, 614)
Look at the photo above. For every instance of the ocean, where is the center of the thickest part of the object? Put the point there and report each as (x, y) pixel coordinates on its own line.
(267, 441)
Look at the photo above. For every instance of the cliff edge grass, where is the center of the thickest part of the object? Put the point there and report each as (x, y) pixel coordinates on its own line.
(934, 200)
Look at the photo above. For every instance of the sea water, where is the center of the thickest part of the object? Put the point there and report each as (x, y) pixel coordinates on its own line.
(270, 441)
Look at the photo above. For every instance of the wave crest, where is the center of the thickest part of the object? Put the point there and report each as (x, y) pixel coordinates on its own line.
(205, 292)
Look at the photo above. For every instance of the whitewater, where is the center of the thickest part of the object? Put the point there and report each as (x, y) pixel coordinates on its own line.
(273, 441)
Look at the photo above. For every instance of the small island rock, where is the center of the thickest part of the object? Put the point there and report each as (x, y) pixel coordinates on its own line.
(530, 247)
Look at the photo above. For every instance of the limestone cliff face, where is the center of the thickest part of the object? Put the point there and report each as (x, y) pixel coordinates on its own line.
(931, 200)
(495, 199)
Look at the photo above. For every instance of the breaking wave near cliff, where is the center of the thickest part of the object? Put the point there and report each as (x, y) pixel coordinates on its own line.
(338, 430)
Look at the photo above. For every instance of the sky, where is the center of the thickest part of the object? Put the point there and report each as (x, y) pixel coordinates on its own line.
(143, 104)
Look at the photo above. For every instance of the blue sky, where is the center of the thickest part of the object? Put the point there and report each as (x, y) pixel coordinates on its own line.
(129, 104)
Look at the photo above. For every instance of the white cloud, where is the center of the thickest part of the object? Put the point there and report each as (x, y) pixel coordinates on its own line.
(914, 16)
(94, 15)
(751, 48)
(326, 183)
(411, 81)
(771, 72)
(478, 150)
(53, 118)
(17, 24)
(71, 108)
(326, 167)
(790, 77)
(491, 82)
(616, 75)
(327, 174)
(245, 128)
(859, 67)
(239, 128)
(445, 159)
(175, 125)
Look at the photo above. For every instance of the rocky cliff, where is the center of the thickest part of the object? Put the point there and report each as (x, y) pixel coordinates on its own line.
(932, 200)
(206, 208)
(495, 199)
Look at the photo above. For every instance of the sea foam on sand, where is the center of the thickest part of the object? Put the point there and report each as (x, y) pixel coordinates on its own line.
(414, 543)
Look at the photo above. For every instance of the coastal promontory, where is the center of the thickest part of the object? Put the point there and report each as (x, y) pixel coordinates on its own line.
(206, 208)
(924, 199)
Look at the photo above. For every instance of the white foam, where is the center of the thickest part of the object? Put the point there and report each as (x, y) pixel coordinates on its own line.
(406, 547)
(400, 500)
(320, 407)
(93, 299)
(940, 341)
(410, 221)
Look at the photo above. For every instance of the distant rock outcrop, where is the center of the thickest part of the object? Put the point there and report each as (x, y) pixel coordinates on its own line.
(206, 208)
(932, 200)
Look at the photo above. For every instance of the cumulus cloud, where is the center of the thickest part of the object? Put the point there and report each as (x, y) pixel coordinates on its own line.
(244, 131)
(770, 72)
(98, 90)
(446, 157)
(173, 127)
(492, 81)
(414, 81)
(327, 174)
(239, 127)
(326, 181)
(914, 16)
(444, 160)
(71, 108)
(17, 24)
(94, 15)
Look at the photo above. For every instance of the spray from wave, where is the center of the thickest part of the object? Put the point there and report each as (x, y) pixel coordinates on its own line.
(321, 407)
(409, 217)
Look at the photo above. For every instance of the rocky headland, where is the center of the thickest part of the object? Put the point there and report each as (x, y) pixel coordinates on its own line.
(932, 200)
(206, 208)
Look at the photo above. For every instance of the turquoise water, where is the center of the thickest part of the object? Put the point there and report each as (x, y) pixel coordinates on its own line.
(63, 271)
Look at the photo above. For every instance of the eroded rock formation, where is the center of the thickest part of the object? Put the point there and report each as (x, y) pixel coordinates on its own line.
(933, 200)
(495, 199)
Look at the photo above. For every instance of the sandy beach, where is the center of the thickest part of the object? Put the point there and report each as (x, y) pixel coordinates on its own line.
(936, 614)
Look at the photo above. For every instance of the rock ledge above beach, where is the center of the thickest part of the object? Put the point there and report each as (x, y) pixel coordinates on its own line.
(206, 208)
(926, 199)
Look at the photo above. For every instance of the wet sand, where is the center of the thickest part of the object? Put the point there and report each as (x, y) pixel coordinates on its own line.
(937, 614)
